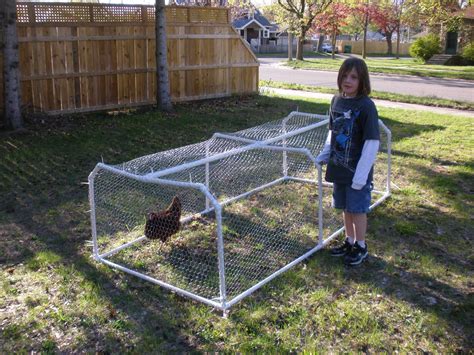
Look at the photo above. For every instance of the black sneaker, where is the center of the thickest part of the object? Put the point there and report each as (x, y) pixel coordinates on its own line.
(342, 250)
(356, 255)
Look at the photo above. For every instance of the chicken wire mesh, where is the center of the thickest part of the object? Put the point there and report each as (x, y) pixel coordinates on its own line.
(217, 219)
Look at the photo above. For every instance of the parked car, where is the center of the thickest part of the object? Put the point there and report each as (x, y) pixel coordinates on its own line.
(327, 48)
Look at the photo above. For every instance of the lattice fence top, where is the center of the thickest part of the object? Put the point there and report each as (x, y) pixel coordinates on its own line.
(57, 13)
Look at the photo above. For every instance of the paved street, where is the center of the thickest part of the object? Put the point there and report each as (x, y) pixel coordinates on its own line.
(454, 89)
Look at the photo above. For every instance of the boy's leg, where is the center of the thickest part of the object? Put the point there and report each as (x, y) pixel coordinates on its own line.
(349, 225)
(355, 215)
(339, 202)
(359, 252)
(359, 221)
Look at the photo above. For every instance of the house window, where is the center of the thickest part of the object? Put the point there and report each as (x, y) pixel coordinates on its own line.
(266, 33)
(242, 33)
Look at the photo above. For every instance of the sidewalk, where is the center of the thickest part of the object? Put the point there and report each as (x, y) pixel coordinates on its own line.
(381, 103)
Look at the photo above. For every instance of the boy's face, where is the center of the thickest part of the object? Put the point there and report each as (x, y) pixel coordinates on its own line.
(350, 83)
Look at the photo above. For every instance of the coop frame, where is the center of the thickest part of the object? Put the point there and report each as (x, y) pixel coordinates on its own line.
(212, 204)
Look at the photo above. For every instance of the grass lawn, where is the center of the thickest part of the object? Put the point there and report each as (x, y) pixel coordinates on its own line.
(415, 294)
(382, 95)
(391, 66)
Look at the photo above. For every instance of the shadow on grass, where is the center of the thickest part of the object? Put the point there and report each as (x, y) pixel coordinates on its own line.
(422, 291)
(443, 181)
(44, 206)
(402, 130)
(392, 280)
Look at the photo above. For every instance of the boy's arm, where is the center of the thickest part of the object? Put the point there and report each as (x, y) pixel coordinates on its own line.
(323, 157)
(366, 161)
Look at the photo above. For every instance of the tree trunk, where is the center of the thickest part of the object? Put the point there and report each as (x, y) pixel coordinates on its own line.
(11, 71)
(299, 48)
(399, 23)
(333, 43)
(163, 98)
(366, 25)
(320, 42)
(398, 42)
(290, 46)
(388, 37)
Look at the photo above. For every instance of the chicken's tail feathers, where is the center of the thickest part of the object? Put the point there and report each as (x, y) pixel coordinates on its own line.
(175, 205)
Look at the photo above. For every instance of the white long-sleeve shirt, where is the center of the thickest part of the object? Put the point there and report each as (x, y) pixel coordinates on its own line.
(366, 161)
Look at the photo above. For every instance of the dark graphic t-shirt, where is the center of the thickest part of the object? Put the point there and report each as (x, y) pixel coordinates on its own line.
(352, 122)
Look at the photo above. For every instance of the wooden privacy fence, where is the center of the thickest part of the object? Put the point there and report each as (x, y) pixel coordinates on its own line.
(85, 57)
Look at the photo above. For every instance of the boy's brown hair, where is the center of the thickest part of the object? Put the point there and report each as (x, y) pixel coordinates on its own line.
(362, 71)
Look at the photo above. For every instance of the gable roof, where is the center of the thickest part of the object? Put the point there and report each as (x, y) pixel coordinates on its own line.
(262, 19)
(467, 13)
(258, 18)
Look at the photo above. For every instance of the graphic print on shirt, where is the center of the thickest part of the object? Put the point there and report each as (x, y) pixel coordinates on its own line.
(343, 125)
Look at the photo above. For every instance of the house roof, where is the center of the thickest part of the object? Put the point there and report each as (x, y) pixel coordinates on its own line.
(467, 13)
(273, 28)
(258, 18)
(262, 19)
(247, 22)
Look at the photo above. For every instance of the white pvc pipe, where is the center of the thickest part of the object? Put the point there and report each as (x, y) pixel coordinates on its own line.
(380, 200)
(145, 178)
(271, 277)
(229, 153)
(121, 247)
(320, 202)
(95, 249)
(389, 154)
(161, 283)
(245, 194)
(217, 207)
(309, 181)
(207, 173)
(285, 158)
(283, 269)
(220, 257)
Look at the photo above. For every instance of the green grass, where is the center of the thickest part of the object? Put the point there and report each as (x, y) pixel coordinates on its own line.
(415, 294)
(391, 66)
(428, 101)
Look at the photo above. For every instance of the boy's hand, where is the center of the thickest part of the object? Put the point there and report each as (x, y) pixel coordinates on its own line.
(321, 161)
(357, 186)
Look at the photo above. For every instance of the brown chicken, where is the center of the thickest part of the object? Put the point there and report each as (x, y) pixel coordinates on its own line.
(163, 224)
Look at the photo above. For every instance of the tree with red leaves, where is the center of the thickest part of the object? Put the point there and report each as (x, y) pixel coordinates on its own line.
(387, 18)
(390, 15)
(302, 14)
(364, 9)
(331, 21)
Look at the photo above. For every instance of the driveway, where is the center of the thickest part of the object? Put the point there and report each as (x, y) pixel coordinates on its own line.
(453, 89)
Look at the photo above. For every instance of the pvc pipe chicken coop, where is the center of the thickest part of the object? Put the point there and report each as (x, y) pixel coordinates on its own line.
(218, 219)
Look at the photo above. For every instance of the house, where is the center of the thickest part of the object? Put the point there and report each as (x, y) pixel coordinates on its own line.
(455, 41)
(257, 30)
